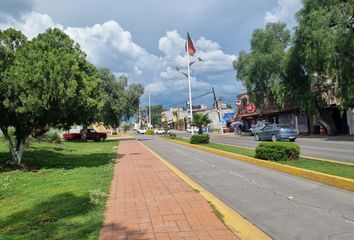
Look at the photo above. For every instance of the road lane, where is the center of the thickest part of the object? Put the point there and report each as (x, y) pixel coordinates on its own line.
(284, 206)
(312, 147)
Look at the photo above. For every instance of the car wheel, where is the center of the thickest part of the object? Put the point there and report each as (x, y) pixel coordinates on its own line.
(257, 137)
(274, 138)
(101, 139)
(292, 140)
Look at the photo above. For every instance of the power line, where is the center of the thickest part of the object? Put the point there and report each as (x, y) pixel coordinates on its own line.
(185, 101)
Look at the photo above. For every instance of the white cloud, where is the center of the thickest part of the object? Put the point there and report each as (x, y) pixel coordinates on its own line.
(284, 12)
(31, 24)
(109, 45)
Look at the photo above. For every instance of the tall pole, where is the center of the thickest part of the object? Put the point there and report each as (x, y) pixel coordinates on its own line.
(149, 108)
(217, 108)
(189, 84)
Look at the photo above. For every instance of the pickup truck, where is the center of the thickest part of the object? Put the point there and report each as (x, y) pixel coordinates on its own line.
(91, 134)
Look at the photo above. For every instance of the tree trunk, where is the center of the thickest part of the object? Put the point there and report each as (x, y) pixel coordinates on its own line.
(20, 147)
(325, 118)
(200, 130)
(16, 154)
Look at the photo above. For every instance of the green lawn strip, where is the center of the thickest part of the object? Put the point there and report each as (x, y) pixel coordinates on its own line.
(64, 194)
(336, 169)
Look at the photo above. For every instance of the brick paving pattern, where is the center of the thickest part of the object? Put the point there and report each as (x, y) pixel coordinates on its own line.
(149, 201)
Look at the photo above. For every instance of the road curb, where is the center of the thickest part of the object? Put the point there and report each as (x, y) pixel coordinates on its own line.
(238, 224)
(303, 156)
(339, 182)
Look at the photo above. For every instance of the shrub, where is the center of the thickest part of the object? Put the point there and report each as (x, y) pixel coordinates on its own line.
(126, 127)
(149, 132)
(173, 135)
(50, 137)
(278, 151)
(199, 138)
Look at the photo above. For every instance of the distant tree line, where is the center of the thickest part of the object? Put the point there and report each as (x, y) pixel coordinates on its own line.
(309, 68)
(47, 82)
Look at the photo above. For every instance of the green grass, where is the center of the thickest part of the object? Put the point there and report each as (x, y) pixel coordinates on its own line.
(61, 195)
(337, 169)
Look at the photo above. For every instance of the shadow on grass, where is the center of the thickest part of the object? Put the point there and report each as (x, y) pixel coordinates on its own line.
(63, 216)
(57, 157)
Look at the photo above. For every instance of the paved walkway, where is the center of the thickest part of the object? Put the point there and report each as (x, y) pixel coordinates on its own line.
(148, 201)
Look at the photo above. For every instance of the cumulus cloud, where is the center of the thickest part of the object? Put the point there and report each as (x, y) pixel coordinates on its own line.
(31, 24)
(284, 12)
(109, 45)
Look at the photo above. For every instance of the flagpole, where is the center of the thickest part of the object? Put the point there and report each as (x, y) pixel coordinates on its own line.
(189, 83)
(149, 108)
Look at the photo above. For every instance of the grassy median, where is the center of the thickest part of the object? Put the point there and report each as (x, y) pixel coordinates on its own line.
(337, 169)
(60, 195)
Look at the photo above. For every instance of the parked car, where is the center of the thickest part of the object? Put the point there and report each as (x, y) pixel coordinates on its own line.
(86, 134)
(276, 132)
(159, 131)
(193, 129)
(256, 127)
(142, 130)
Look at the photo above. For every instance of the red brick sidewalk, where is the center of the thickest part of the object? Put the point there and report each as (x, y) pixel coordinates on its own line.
(148, 201)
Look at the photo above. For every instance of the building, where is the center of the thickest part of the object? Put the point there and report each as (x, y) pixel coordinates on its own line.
(177, 118)
(249, 114)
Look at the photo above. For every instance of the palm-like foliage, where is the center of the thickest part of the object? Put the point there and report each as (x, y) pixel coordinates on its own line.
(200, 120)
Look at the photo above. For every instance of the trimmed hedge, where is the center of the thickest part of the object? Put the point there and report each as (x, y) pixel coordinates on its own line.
(278, 151)
(199, 139)
(149, 132)
(173, 135)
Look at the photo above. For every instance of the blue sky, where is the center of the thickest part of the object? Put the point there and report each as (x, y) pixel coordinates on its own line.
(145, 38)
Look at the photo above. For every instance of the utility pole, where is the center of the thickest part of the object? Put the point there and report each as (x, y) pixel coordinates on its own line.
(139, 117)
(149, 108)
(217, 108)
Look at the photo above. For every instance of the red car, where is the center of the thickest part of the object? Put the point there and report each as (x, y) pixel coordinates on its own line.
(91, 134)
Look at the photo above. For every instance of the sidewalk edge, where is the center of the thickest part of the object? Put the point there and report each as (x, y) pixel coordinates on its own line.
(238, 224)
(335, 181)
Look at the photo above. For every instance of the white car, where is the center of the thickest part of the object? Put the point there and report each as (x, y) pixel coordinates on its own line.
(142, 131)
(159, 131)
(193, 129)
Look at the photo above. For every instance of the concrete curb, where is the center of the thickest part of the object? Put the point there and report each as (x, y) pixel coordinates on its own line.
(339, 182)
(303, 156)
(238, 224)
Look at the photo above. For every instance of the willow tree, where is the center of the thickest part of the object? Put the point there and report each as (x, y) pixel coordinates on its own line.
(321, 62)
(262, 70)
(44, 83)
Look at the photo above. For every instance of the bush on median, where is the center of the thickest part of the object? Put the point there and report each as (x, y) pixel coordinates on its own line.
(199, 139)
(149, 132)
(173, 135)
(278, 151)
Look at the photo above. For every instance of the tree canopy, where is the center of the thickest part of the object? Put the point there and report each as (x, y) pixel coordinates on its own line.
(310, 69)
(200, 120)
(47, 82)
(121, 101)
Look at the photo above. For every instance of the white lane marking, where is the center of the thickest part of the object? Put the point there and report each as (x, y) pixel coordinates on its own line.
(348, 221)
(235, 174)
(202, 161)
(246, 179)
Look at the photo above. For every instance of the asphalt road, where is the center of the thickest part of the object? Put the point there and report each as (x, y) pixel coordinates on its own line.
(339, 150)
(283, 206)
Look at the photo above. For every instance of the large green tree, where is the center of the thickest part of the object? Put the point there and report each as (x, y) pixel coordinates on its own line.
(321, 63)
(311, 70)
(45, 82)
(121, 101)
(262, 69)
